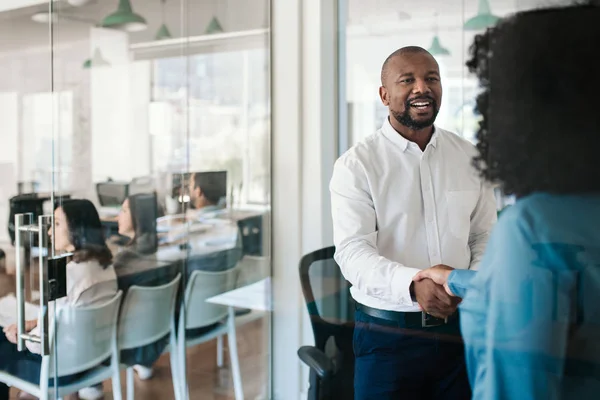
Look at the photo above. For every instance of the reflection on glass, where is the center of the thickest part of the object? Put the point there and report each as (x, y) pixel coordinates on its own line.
(127, 134)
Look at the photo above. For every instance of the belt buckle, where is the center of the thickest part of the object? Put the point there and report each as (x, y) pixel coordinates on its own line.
(429, 321)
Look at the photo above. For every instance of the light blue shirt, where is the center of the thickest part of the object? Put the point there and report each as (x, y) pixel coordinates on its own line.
(530, 317)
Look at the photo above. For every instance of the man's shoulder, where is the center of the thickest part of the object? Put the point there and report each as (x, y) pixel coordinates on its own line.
(456, 141)
(364, 150)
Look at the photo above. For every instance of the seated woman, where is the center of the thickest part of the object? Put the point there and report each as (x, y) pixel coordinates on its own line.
(528, 316)
(91, 280)
(137, 223)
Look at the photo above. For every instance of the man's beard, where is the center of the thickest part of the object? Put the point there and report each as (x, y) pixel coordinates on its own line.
(405, 118)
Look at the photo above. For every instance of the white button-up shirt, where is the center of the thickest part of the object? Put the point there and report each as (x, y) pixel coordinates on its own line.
(397, 210)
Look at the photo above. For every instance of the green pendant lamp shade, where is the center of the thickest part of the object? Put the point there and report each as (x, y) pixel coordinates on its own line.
(436, 48)
(97, 60)
(484, 18)
(214, 26)
(163, 32)
(125, 19)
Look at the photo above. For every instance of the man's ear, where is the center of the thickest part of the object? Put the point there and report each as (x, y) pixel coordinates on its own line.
(384, 95)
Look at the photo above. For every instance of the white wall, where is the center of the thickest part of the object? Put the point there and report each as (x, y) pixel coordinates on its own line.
(303, 152)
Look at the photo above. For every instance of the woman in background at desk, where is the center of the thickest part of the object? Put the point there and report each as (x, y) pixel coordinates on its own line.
(137, 223)
(530, 316)
(91, 280)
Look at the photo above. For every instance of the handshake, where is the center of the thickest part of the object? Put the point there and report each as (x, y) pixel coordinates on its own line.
(430, 288)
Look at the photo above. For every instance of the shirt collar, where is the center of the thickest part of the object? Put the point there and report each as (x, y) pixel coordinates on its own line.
(389, 132)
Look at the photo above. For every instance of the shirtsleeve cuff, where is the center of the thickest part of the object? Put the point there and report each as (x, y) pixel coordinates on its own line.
(400, 285)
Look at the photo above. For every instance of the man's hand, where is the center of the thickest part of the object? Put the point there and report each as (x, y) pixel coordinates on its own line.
(433, 299)
(439, 274)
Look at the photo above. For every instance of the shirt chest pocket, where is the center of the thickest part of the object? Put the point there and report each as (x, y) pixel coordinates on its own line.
(460, 205)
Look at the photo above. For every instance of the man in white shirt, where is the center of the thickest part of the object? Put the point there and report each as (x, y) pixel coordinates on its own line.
(405, 199)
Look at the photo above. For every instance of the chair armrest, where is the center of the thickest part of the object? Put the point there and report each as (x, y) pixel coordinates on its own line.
(316, 360)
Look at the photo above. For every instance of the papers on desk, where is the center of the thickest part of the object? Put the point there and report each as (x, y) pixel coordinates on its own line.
(256, 296)
(8, 310)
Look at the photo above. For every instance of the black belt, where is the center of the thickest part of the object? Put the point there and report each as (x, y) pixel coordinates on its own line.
(410, 319)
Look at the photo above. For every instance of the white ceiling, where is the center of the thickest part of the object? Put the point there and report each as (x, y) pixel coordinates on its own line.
(17, 30)
(365, 17)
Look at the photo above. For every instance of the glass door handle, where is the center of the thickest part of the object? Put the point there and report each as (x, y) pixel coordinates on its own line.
(24, 225)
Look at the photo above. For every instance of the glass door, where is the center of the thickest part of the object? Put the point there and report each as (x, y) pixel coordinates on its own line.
(135, 177)
(32, 276)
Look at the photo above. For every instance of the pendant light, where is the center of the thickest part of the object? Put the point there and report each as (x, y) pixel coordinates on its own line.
(97, 60)
(484, 18)
(214, 27)
(163, 31)
(125, 19)
(436, 48)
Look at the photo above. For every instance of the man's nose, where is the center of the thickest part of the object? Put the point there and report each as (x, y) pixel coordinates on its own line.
(421, 87)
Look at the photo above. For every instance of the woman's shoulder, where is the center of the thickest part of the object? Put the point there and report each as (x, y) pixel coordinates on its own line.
(90, 269)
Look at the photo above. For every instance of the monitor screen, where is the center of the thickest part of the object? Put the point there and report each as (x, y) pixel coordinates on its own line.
(144, 209)
(111, 193)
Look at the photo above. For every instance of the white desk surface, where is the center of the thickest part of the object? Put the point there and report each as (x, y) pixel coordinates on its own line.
(256, 296)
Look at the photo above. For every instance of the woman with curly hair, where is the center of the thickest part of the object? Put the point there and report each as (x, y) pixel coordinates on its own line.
(529, 317)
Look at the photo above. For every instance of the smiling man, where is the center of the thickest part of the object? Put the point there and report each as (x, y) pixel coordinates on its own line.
(405, 199)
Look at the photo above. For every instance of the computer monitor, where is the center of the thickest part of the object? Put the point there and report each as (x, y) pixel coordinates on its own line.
(142, 184)
(144, 208)
(112, 193)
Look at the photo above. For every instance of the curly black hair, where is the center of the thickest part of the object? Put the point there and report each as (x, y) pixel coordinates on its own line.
(540, 127)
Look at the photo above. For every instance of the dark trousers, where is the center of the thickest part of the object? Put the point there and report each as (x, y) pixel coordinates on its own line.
(24, 364)
(395, 362)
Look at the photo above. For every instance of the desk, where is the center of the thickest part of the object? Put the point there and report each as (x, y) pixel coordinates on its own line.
(256, 296)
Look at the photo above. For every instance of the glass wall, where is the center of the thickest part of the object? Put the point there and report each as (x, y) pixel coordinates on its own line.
(376, 28)
(157, 112)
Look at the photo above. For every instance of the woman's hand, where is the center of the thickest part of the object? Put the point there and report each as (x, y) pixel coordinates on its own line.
(29, 325)
(438, 274)
(11, 333)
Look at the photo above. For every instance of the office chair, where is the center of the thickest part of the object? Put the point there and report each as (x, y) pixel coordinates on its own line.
(252, 235)
(331, 310)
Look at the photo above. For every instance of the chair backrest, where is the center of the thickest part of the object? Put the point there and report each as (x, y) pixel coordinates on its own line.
(327, 294)
(85, 336)
(201, 286)
(147, 314)
(251, 229)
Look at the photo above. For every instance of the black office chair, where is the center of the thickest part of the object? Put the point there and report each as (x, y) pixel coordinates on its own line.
(331, 310)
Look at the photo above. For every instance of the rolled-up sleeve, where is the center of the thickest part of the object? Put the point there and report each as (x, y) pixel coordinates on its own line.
(355, 238)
